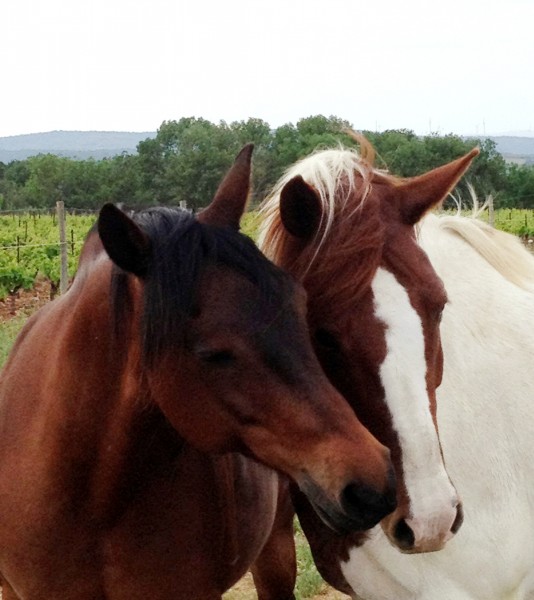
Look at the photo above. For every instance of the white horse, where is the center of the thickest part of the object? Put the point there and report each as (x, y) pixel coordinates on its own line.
(368, 258)
(486, 425)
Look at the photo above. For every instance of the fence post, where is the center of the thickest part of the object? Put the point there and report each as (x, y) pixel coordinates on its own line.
(491, 211)
(64, 273)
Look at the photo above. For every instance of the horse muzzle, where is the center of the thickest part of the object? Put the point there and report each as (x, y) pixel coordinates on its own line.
(412, 536)
(358, 508)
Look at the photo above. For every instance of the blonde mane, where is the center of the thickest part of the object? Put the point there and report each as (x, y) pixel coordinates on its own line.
(342, 179)
(503, 251)
(337, 175)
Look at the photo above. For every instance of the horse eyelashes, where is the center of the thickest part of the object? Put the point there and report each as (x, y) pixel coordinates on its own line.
(219, 358)
(327, 340)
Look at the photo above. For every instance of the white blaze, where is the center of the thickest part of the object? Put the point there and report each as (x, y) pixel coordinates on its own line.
(403, 376)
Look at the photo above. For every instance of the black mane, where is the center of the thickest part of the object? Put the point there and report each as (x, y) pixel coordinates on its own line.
(181, 247)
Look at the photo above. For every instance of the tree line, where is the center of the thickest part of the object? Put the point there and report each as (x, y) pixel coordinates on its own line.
(187, 159)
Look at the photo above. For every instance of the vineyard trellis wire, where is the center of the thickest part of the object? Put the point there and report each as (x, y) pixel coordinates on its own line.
(30, 245)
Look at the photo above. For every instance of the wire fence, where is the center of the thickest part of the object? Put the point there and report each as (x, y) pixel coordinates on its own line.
(47, 242)
(44, 241)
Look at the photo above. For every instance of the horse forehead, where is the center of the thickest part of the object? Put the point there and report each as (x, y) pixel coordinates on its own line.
(228, 297)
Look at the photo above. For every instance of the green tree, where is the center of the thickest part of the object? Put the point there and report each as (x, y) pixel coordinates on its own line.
(43, 187)
(293, 142)
(18, 172)
(260, 134)
(519, 192)
(186, 161)
(398, 151)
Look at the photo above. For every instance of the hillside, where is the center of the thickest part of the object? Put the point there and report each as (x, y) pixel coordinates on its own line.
(515, 148)
(104, 144)
(72, 144)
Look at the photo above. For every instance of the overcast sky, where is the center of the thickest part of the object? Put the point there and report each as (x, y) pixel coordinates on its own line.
(454, 66)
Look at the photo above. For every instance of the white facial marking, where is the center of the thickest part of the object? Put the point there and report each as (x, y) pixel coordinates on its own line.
(403, 375)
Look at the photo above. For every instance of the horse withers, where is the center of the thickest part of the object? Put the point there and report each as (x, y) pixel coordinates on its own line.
(140, 414)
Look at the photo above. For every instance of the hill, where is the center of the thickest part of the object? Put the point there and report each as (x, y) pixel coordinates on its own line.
(104, 144)
(515, 149)
(72, 144)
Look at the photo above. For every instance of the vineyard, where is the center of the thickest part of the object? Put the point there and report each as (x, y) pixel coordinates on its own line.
(29, 247)
(520, 222)
(29, 243)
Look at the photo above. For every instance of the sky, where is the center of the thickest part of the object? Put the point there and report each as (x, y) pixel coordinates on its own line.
(454, 66)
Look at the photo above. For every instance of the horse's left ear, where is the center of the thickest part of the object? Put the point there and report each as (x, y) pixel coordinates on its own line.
(300, 209)
(424, 192)
(230, 200)
(126, 243)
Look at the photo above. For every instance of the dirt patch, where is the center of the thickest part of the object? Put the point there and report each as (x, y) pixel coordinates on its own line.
(23, 303)
(244, 590)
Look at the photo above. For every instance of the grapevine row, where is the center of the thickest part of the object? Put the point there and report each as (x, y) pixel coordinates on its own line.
(29, 246)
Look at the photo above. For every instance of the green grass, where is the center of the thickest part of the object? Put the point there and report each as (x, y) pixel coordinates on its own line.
(8, 333)
(309, 582)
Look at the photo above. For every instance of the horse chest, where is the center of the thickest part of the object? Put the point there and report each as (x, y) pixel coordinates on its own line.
(185, 535)
(192, 534)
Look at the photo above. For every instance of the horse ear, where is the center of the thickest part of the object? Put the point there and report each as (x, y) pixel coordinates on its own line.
(126, 243)
(230, 200)
(422, 193)
(300, 208)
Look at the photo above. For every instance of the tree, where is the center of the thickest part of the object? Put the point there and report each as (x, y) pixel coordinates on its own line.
(43, 188)
(187, 161)
(260, 134)
(519, 192)
(293, 142)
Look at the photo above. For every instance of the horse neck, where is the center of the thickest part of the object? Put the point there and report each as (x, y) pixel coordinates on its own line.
(104, 409)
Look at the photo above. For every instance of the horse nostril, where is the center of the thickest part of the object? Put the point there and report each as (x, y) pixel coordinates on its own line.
(352, 496)
(459, 519)
(365, 504)
(404, 535)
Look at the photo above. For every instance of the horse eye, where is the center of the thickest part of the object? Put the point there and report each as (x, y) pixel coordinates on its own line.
(219, 358)
(326, 339)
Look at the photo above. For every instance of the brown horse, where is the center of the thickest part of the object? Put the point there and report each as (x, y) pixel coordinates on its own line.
(346, 231)
(140, 412)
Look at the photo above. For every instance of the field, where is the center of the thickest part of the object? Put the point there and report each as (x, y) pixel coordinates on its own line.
(29, 243)
(520, 222)
(29, 248)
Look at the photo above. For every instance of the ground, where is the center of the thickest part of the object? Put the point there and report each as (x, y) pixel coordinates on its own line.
(24, 302)
(244, 590)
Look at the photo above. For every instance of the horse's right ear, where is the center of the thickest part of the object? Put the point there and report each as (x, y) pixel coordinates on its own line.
(300, 208)
(126, 243)
(230, 200)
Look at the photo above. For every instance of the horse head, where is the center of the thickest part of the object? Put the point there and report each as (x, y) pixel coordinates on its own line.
(222, 345)
(348, 232)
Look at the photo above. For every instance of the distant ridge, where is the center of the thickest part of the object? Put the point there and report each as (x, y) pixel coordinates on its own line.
(82, 145)
(71, 144)
(515, 148)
